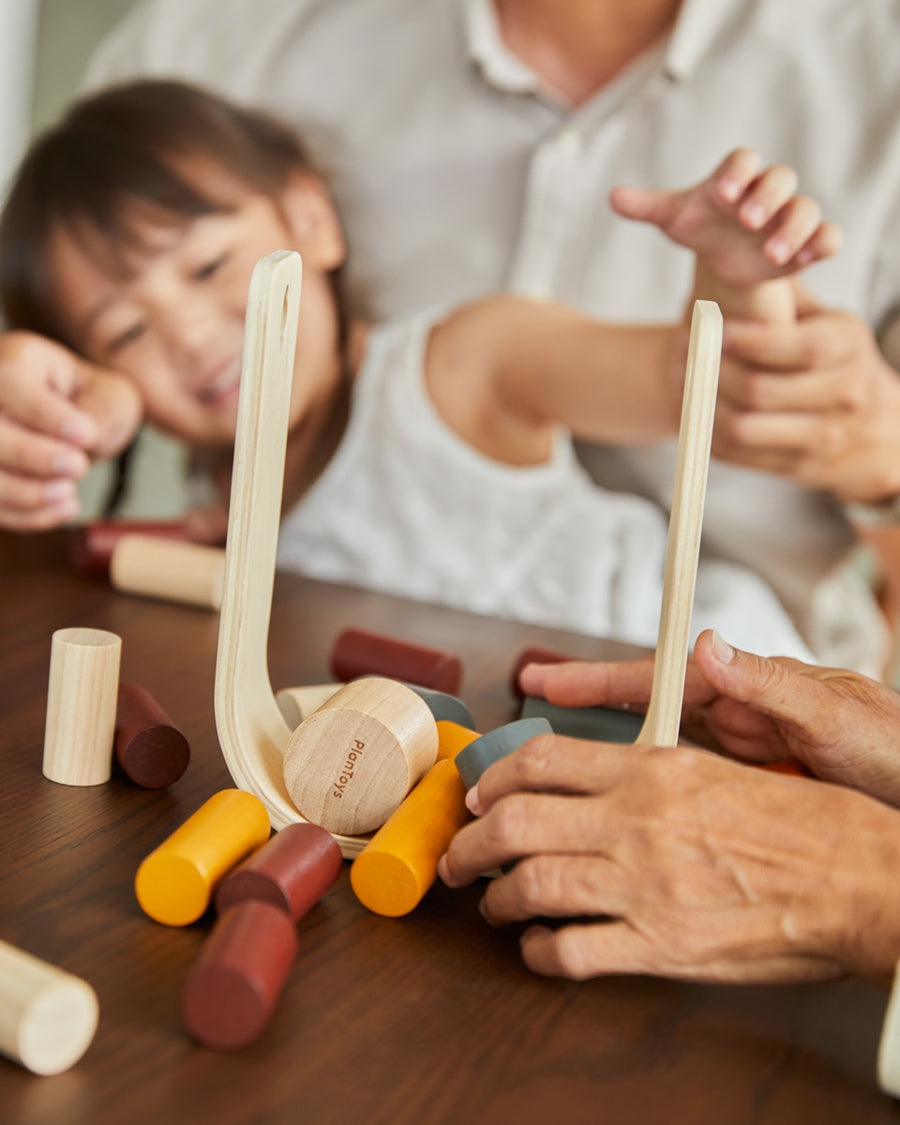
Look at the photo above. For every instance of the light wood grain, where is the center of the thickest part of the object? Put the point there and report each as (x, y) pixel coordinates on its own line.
(166, 568)
(698, 409)
(298, 703)
(81, 706)
(47, 1016)
(349, 765)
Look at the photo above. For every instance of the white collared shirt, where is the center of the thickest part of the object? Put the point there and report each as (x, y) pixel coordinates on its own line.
(457, 172)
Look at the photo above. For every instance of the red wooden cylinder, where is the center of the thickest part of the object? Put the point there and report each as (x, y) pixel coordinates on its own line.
(230, 993)
(149, 748)
(357, 652)
(91, 544)
(292, 871)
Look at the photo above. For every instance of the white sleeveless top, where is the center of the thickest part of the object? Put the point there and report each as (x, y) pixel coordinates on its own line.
(407, 507)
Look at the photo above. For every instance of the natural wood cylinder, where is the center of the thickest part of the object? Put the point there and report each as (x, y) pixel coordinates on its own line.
(349, 765)
(81, 706)
(165, 568)
(47, 1016)
(298, 703)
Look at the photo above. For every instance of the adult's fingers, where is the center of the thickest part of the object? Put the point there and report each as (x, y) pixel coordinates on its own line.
(556, 886)
(822, 340)
(581, 951)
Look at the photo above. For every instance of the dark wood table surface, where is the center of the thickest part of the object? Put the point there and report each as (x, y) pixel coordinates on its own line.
(429, 1018)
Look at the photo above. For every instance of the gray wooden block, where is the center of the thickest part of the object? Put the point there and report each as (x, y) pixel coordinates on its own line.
(601, 724)
(475, 758)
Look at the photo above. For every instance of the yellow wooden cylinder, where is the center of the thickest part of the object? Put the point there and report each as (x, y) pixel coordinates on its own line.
(174, 884)
(452, 738)
(392, 873)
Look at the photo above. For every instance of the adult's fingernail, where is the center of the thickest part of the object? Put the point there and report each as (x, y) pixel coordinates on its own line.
(531, 678)
(722, 650)
(473, 801)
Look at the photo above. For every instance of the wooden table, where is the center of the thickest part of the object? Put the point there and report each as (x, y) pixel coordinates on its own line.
(430, 1018)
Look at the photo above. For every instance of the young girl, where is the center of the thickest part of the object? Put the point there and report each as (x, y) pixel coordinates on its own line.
(430, 457)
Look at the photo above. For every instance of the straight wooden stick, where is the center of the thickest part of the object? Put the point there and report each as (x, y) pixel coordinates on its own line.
(698, 409)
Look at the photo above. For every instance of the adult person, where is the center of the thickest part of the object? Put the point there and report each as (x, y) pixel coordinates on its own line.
(472, 146)
(694, 866)
(713, 870)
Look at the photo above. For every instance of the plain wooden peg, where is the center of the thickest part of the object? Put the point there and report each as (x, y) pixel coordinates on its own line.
(350, 764)
(165, 568)
(91, 544)
(81, 706)
(298, 703)
(47, 1016)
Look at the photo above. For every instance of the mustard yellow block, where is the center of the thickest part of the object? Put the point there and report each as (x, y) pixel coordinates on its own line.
(174, 884)
(392, 873)
(452, 738)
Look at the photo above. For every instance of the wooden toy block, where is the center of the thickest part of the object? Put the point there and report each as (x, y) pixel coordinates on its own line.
(349, 765)
(175, 883)
(151, 751)
(357, 652)
(452, 737)
(298, 703)
(81, 706)
(163, 568)
(292, 871)
(233, 987)
(533, 656)
(91, 544)
(698, 409)
(601, 724)
(47, 1016)
(392, 874)
(445, 707)
(474, 759)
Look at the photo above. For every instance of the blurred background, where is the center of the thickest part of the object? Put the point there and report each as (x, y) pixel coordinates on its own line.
(44, 48)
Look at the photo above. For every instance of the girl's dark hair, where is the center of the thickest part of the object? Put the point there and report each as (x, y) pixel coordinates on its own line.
(130, 144)
(125, 152)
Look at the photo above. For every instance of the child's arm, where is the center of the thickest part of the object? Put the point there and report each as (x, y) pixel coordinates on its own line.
(57, 415)
(505, 372)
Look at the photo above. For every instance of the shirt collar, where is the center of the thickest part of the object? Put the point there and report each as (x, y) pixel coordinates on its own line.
(698, 24)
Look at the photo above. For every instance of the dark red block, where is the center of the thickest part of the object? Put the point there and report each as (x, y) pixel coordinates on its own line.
(91, 544)
(533, 656)
(150, 749)
(357, 652)
(292, 871)
(231, 991)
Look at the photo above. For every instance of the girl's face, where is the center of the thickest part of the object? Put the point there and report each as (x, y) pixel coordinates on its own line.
(175, 325)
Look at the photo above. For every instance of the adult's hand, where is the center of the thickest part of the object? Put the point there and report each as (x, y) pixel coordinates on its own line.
(843, 726)
(57, 414)
(812, 400)
(693, 866)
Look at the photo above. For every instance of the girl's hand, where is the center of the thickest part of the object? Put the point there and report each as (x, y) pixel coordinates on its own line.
(57, 415)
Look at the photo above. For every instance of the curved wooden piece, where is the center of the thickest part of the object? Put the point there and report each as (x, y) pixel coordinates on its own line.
(252, 732)
(698, 410)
